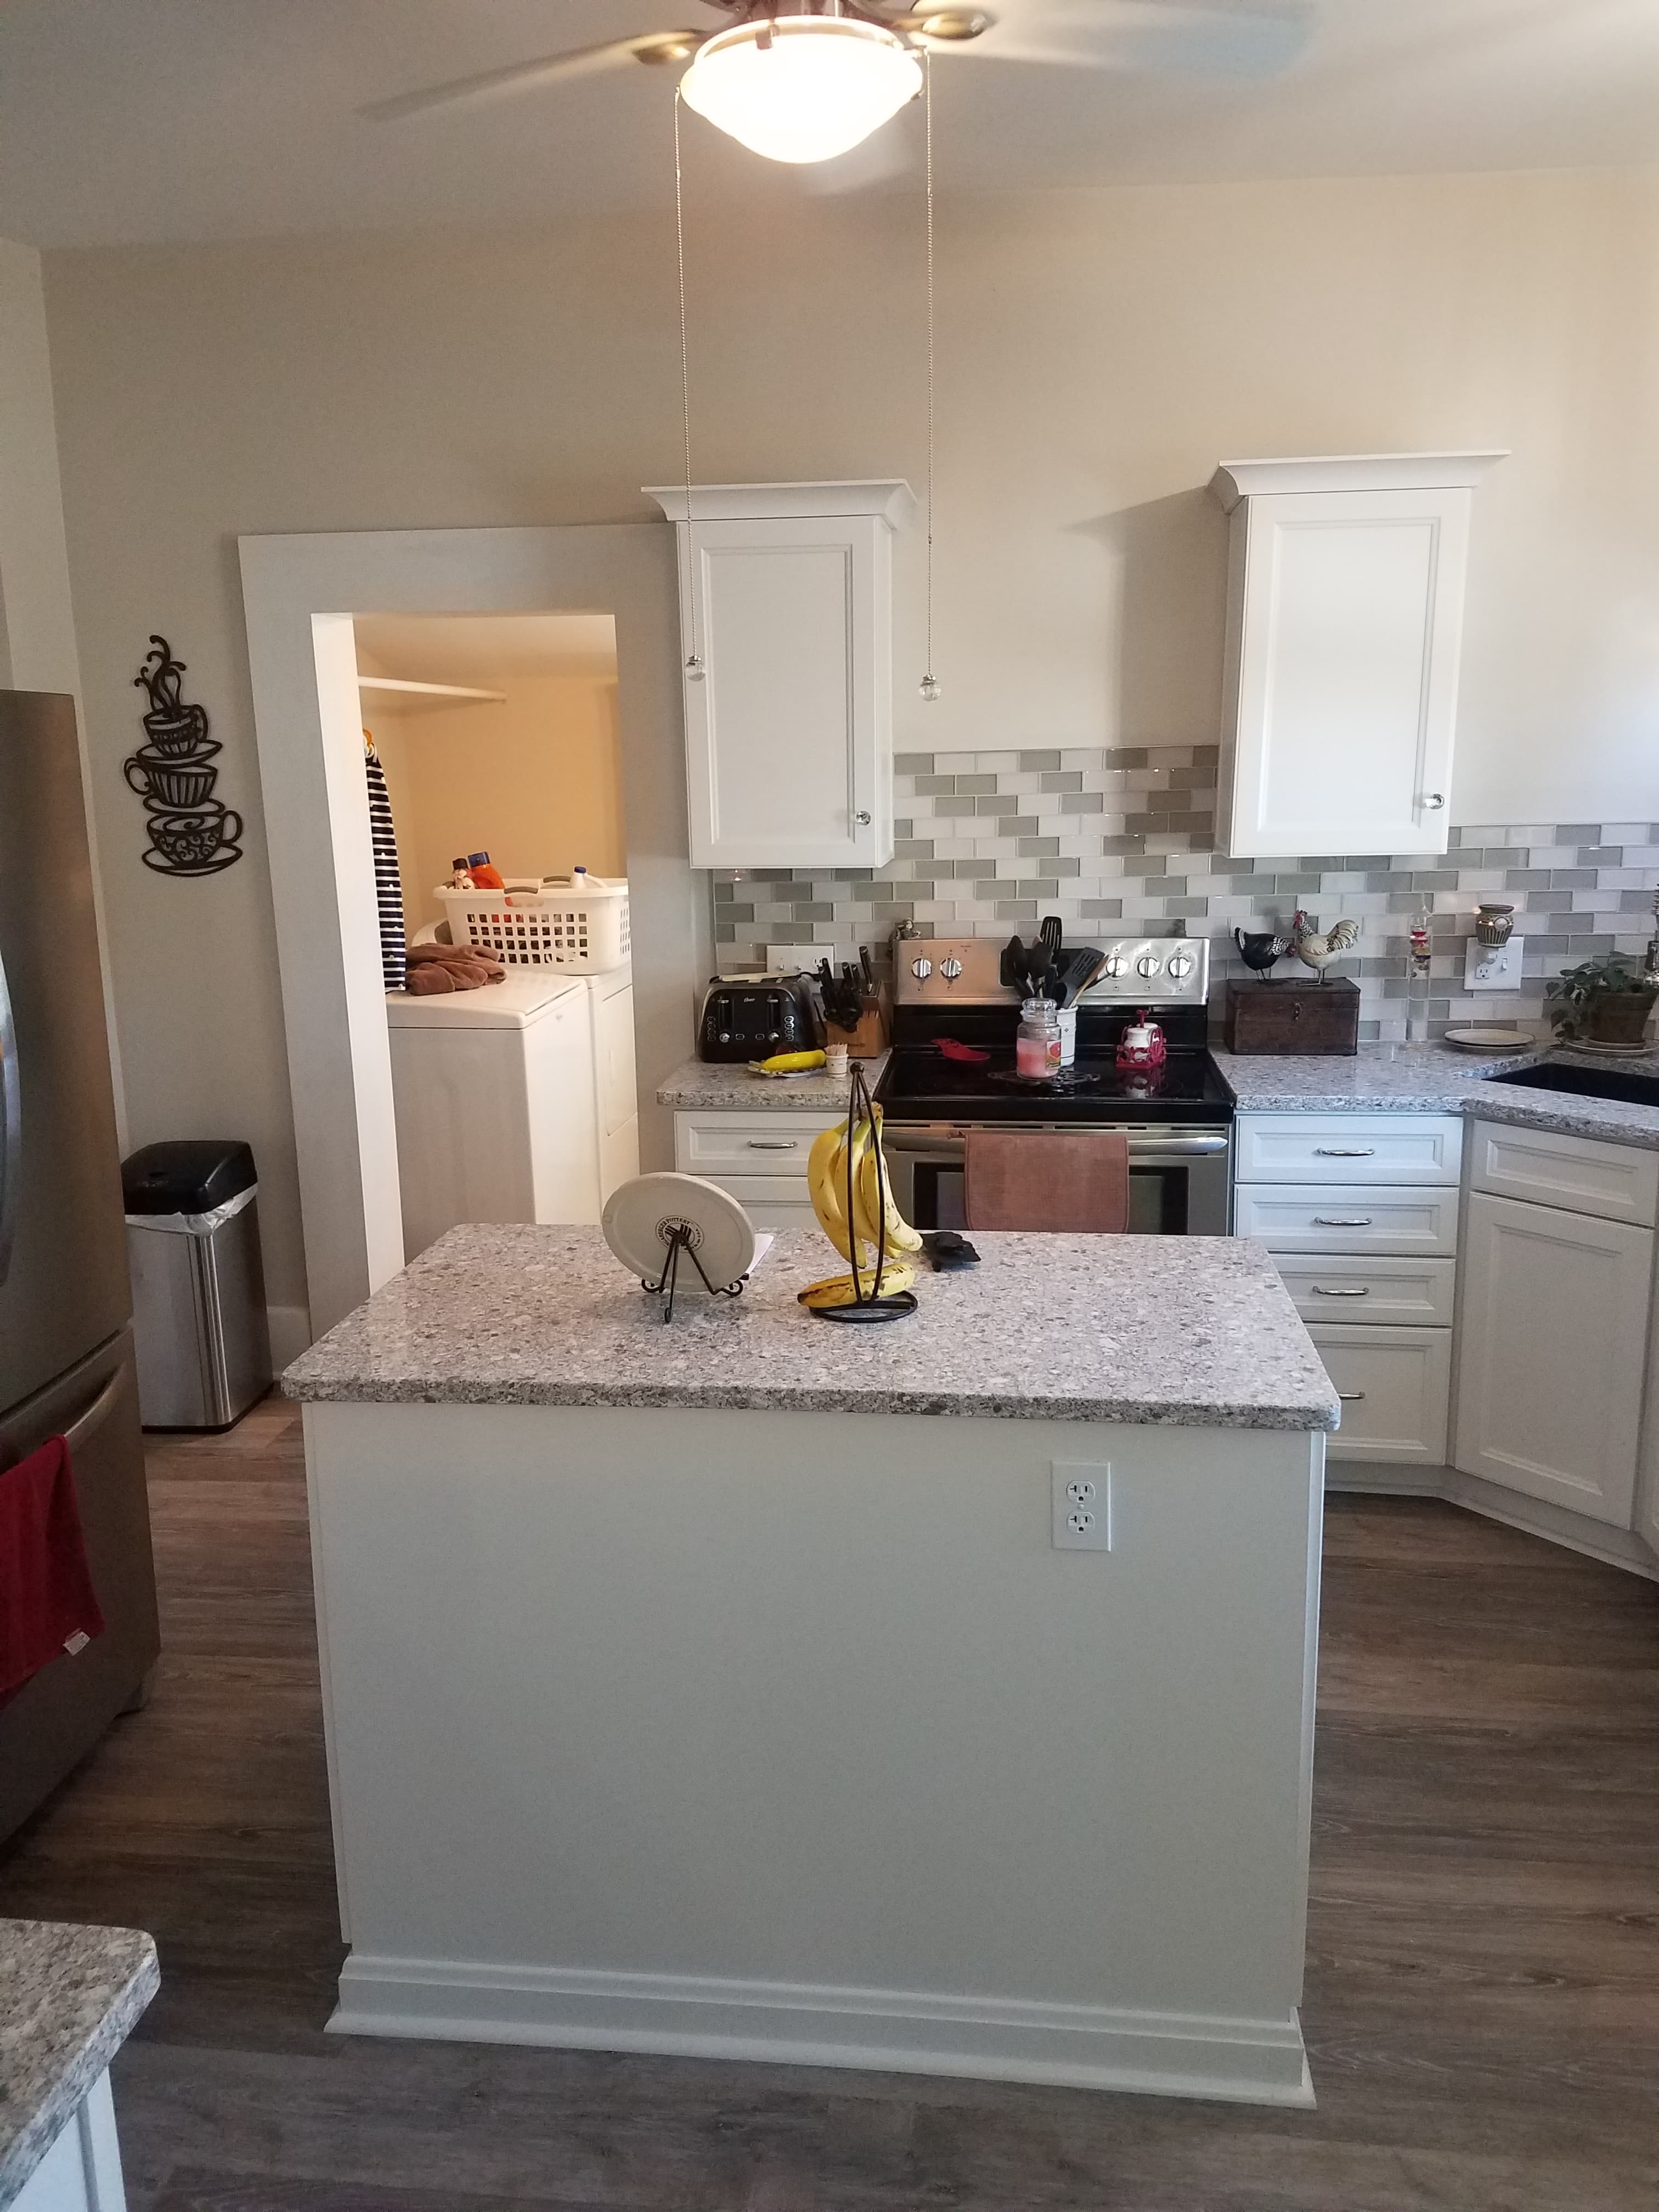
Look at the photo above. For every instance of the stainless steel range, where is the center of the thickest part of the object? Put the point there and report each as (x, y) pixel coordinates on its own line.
(957, 1002)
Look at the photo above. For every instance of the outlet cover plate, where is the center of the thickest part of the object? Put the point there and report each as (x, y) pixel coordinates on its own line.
(1492, 967)
(1082, 1504)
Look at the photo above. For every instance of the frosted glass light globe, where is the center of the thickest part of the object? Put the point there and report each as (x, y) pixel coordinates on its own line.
(818, 88)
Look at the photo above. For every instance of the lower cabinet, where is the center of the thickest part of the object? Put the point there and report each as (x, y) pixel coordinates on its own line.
(81, 2170)
(1396, 1387)
(1553, 1311)
(760, 1157)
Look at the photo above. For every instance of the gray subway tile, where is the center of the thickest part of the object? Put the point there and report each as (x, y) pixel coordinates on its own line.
(1037, 848)
(1082, 802)
(1572, 879)
(934, 786)
(1033, 763)
(945, 808)
(999, 802)
(981, 786)
(1527, 879)
(1017, 909)
(913, 764)
(1070, 779)
(1102, 910)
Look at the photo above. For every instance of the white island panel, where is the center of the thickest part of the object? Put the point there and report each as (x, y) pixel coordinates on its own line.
(782, 1734)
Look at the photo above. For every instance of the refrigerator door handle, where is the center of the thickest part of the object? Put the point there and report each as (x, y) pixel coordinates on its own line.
(94, 1415)
(11, 1128)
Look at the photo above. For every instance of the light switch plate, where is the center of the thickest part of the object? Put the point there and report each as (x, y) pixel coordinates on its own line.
(1492, 967)
(1082, 1504)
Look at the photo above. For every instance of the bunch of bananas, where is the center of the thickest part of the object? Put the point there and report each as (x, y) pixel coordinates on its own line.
(848, 1158)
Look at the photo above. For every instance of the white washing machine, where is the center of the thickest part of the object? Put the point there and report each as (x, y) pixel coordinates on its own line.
(615, 1087)
(495, 1093)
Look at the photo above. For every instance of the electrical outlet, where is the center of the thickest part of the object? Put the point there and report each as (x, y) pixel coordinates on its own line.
(1492, 967)
(1082, 1494)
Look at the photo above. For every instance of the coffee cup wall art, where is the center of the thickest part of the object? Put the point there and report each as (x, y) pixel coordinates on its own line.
(191, 833)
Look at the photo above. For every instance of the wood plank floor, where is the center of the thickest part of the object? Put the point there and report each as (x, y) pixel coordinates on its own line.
(1482, 2010)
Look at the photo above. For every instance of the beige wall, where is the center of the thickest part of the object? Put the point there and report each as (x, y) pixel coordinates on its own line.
(1098, 353)
(533, 782)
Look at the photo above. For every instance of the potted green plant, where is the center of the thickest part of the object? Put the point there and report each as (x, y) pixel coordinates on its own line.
(1605, 1000)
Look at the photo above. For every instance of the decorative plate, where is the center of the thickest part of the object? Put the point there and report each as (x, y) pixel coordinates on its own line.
(638, 1215)
(1491, 1038)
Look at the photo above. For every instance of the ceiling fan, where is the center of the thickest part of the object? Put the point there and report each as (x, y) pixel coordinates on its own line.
(804, 80)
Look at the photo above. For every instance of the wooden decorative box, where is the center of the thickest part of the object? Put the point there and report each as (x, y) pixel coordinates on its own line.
(1293, 1017)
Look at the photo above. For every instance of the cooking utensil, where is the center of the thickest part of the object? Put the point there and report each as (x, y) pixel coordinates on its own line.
(868, 966)
(1051, 935)
(966, 1055)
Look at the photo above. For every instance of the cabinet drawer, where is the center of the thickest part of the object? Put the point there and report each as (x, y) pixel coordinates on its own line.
(1328, 1217)
(1581, 1175)
(1365, 1148)
(1394, 1293)
(1395, 1389)
(718, 1144)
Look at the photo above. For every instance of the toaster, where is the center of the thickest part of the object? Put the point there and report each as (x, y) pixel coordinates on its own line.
(753, 1019)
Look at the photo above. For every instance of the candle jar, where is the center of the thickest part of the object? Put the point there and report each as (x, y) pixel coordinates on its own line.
(1037, 1048)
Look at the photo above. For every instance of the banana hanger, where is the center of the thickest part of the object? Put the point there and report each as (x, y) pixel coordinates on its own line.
(872, 1306)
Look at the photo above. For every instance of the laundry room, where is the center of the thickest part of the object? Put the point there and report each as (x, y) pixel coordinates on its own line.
(495, 816)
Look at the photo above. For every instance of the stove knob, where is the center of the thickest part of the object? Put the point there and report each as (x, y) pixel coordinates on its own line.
(1115, 963)
(726, 1036)
(1181, 965)
(951, 969)
(1148, 964)
(921, 969)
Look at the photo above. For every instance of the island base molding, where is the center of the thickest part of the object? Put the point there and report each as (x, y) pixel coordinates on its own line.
(1534, 1516)
(799, 2024)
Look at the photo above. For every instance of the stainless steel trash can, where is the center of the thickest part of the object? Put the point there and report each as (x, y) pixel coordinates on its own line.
(198, 1285)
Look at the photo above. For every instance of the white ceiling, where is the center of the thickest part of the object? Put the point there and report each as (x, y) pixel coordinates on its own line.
(485, 650)
(156, 119)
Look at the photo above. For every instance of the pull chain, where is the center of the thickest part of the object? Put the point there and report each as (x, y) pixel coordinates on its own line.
(929, 685)
(694, 668)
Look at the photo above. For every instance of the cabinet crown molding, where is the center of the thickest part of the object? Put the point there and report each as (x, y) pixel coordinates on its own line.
(889, 497)
(1236, 480)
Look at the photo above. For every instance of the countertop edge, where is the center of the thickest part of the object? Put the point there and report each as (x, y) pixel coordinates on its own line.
(714, 1398)
(82, 2067)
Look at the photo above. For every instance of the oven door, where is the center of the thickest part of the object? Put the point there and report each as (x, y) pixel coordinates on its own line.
(1178, 1177)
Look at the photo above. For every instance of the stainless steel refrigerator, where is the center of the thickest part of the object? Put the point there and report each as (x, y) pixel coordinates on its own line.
(66, 1352)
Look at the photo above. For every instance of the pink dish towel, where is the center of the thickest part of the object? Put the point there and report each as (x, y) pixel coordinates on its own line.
(47, 1603)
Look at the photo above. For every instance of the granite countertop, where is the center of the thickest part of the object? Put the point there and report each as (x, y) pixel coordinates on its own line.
(68, 1999)
(1398, 1079)
(731, 1088)
(1194, 1332)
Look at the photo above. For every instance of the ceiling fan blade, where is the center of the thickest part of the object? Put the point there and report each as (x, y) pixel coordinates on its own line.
(527, 76)
(1204, 37)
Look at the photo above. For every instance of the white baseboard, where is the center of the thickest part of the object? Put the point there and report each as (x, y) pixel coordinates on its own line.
(290, 1334)
(1534, 1517)
(797, 2024)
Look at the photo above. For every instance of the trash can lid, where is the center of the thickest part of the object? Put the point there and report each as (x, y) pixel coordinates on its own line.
(187, 1176)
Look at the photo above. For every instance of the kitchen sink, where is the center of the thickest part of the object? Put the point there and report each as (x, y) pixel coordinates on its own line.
(1623, 1083)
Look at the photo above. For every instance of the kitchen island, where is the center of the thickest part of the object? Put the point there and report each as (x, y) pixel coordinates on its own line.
(732, 1687)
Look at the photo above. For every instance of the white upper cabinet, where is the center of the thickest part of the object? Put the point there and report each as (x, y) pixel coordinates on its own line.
(1343, 626)
(786, 615)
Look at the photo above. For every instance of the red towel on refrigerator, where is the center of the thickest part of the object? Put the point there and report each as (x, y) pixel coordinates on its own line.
(47, 1603)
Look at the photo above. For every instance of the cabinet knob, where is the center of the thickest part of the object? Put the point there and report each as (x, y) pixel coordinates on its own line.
(1434, 801)
(862, 817)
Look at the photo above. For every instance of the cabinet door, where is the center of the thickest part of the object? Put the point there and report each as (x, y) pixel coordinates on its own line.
(788, 730)
(1554, 1314)
(1345, 616)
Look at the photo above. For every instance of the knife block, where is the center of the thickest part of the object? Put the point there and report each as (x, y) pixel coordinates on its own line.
(868, 1041)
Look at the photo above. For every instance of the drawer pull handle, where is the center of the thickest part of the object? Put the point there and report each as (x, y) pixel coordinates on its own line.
(774, 1144)
(1351, 1397)
(1342, 1221)
(1345, 1151)
(1319, 1292)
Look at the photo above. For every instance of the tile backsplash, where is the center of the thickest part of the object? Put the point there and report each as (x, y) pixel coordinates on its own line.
(1119, 841)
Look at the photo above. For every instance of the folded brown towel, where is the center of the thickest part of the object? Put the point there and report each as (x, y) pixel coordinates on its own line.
(438, 968)
(1047, 1179)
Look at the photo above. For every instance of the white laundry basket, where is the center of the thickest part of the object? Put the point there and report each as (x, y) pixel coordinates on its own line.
(576, 923)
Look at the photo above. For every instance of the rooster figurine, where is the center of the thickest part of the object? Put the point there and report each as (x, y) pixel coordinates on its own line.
(1316, 950)
(1259, 948)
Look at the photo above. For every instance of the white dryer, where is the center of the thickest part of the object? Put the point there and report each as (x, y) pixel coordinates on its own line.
(495, 1098)
(615, 1086)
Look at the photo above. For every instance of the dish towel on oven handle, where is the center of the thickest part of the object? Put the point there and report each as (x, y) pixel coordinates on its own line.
(47, 1602)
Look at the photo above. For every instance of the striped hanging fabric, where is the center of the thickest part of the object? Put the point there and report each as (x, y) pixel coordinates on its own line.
(388, 883)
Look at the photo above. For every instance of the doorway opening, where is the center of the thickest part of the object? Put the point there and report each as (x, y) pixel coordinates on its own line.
(492, 746)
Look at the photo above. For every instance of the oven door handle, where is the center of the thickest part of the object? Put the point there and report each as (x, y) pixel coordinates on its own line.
(1152, 1148)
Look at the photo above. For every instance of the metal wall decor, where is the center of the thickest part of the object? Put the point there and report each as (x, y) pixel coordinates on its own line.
(191, 833)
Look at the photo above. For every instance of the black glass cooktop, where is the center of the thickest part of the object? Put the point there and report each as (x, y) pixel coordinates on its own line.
(921, 1083)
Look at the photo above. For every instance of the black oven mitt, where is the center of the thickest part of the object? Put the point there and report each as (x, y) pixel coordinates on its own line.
(948, 1249)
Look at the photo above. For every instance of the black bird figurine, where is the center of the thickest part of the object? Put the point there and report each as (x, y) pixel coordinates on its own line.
(1259, 948)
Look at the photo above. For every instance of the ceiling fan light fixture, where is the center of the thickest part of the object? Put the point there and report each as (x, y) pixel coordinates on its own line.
(804, 88)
